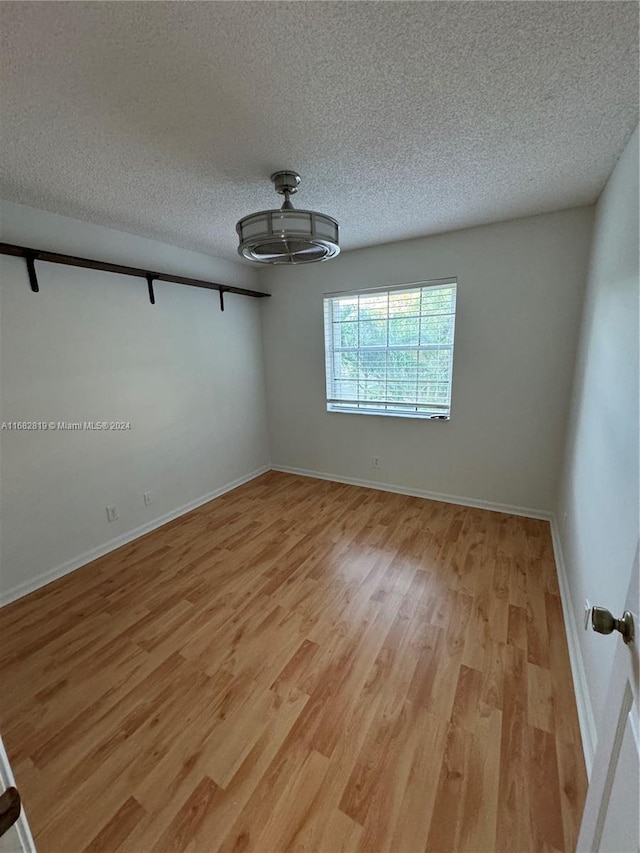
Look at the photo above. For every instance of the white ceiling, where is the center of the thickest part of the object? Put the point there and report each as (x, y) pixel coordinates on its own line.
(403, 118)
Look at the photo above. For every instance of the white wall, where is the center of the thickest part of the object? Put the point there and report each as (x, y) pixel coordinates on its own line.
(520, 289)
(599, 488)
(90, 346)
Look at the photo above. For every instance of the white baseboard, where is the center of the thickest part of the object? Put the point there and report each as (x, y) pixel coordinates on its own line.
(583, 700)
(47, 577)
(528, 512)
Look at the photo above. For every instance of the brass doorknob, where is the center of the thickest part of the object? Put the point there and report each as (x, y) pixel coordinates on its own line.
(604, 623)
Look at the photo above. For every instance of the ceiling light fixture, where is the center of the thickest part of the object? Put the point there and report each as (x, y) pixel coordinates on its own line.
(287, 236)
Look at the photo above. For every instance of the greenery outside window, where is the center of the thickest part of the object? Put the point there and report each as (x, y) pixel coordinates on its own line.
(390, 351)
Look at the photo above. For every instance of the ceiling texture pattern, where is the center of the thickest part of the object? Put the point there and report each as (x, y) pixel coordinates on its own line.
(166, 119)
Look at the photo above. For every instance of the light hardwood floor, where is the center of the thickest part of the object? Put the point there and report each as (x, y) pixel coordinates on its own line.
(300, 665)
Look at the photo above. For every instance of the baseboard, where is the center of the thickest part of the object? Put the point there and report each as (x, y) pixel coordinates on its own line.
(47, 577)
(528, 512)
(581, 689)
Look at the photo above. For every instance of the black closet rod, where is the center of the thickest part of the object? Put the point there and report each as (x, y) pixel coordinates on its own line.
(32, 255)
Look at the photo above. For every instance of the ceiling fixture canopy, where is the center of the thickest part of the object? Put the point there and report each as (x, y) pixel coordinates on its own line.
(287, 236)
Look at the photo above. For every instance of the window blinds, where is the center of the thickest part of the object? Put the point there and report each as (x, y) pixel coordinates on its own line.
(390, 351)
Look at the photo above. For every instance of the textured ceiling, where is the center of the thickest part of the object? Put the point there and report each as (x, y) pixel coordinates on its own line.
(404, 119)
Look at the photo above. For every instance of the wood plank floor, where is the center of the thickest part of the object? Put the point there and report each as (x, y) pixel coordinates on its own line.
(300, 665)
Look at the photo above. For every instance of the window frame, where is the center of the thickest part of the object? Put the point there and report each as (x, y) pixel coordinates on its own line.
(440, 412)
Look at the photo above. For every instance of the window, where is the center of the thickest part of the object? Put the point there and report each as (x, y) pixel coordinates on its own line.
(390, 351)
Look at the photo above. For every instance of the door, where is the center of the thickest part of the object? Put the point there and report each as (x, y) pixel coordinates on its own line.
(18, 837)
(610, 823)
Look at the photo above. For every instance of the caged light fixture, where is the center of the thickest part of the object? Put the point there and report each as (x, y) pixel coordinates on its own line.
(287, 236)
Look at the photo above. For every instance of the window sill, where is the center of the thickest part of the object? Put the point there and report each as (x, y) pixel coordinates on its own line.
(421, 416)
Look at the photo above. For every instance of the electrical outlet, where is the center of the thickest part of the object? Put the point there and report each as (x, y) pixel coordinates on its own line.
(146, 497)
(375, 462)
(587, 613)
(112, 513)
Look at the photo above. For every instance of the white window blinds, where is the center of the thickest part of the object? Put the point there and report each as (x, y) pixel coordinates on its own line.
(390, 351)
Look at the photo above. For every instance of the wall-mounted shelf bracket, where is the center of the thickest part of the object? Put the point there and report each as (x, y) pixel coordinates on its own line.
(30, 258)
(152, 296)
(32, 255)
